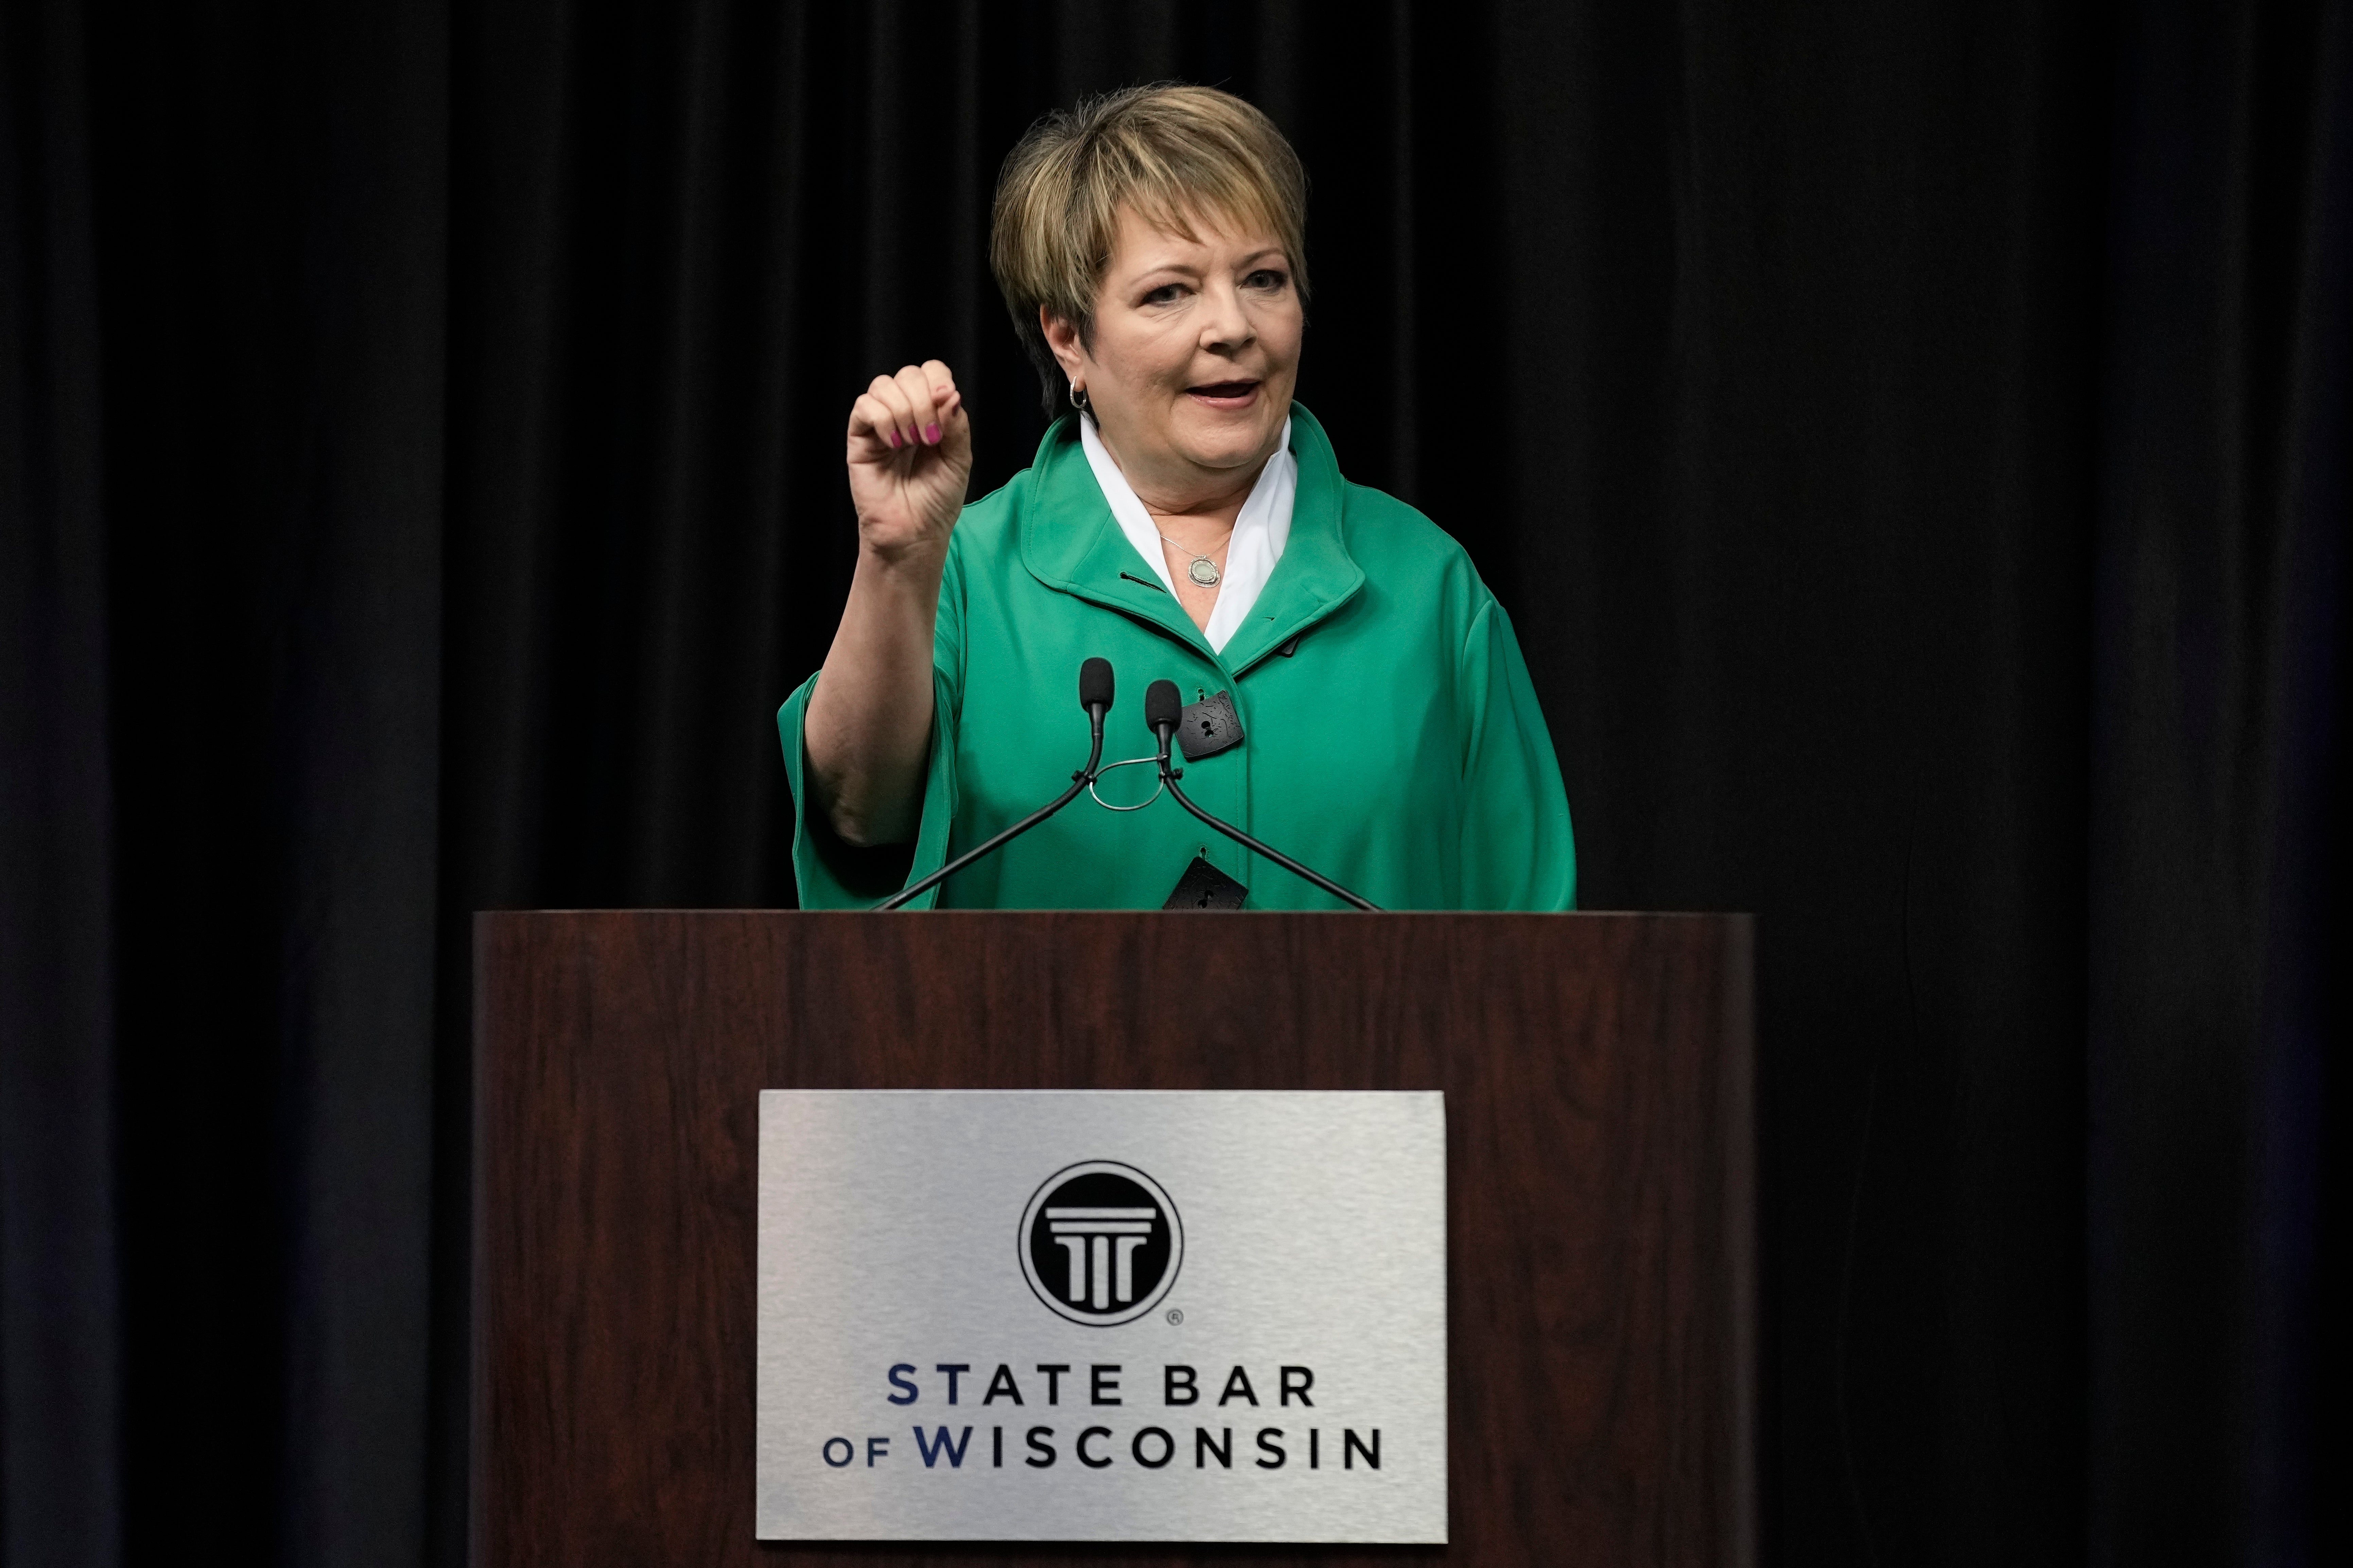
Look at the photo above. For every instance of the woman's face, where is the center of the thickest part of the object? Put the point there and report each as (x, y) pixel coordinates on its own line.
(1195, 354)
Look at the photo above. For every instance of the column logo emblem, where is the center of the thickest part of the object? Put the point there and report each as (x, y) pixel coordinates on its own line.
(1101, 1242)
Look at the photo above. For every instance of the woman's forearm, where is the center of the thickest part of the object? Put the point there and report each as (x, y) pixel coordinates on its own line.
(868, 724)
(868, 728)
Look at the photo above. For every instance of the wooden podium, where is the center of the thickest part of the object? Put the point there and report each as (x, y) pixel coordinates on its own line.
(1600, 1198)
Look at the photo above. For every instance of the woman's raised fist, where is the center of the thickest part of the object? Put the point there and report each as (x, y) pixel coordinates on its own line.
(910, 460)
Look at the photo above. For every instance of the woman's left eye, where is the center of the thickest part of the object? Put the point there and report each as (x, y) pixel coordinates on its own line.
(1265, 277)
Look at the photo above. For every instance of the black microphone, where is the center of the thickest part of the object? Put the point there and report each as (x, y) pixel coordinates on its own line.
(1094, 699)
(1164, 709)
(1094, 688)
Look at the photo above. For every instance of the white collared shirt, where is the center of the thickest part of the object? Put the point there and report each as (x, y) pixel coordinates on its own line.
(1261, 531)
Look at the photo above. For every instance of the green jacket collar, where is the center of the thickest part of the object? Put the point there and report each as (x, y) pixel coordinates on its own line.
(1071, 543)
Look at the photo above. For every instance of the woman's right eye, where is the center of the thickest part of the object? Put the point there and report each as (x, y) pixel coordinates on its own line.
(1166, 294)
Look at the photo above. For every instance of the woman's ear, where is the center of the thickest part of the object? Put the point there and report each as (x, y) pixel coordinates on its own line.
(1062, 338)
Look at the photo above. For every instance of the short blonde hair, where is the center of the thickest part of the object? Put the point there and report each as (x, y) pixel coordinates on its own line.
(1172, 151)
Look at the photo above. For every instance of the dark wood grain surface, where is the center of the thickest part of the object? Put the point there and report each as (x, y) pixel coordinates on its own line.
(1599, 1265)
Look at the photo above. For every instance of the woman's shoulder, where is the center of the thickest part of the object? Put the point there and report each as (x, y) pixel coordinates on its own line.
(1380, 521)
(1391, 541)
(1396, 542)
(991, 526)
(987, 527)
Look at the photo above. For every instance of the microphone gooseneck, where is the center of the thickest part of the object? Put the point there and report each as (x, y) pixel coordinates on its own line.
(1164, 709)
(1094, 696)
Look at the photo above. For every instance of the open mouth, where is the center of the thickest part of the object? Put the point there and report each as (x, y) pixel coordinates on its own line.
(1224, 394)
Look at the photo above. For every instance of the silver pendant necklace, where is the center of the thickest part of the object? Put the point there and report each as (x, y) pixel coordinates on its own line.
(1203, 571)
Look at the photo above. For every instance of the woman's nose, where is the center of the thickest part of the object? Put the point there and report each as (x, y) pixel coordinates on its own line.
(1228, 325)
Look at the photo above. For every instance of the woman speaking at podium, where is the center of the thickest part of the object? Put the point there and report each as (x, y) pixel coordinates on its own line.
(1185, 519)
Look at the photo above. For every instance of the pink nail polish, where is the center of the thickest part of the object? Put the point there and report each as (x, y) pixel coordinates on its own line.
(893, 435)
(932, 433)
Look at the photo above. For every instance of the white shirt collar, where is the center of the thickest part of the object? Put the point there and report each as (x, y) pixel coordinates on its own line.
(1261, 531)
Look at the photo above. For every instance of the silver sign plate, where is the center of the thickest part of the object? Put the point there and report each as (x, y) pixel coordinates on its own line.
(1081, 1315)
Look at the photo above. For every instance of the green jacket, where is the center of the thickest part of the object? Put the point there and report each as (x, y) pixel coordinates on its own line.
(1391, 739)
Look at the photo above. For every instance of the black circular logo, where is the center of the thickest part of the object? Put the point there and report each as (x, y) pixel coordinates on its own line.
(1101, 1242)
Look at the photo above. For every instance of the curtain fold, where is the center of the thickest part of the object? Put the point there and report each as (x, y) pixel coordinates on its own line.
(2217, 778)
(1910, 442)
(61, 1496)
(270, 198)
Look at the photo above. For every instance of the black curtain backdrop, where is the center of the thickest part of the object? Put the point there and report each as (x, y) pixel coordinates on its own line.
(1911, 441)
